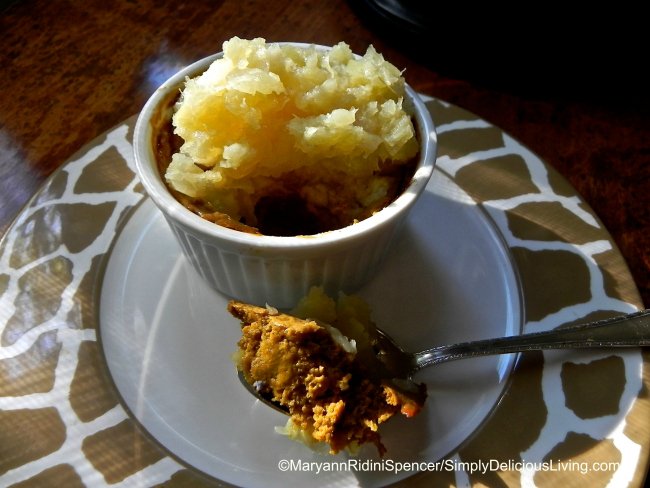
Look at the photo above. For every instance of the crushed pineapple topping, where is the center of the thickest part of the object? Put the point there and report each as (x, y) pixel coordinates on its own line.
(290, 139)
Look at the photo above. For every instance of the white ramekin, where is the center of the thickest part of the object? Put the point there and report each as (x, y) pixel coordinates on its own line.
(279, 270)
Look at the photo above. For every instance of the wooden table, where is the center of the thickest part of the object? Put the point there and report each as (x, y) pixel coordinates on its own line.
(73, 70)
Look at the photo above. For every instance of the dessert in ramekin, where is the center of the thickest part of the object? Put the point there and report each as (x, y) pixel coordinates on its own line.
(265, 237)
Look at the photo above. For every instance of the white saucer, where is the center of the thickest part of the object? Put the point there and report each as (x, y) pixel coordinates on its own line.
(168, 342)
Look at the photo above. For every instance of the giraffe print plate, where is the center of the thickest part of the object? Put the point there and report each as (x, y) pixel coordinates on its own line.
(114, 361)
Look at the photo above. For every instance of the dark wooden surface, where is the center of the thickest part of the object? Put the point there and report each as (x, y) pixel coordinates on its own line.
(72, 70)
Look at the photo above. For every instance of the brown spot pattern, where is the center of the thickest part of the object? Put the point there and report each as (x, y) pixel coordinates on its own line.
(539, 222)
(43, 284)
(82, 312)
(594, 389)
(55, 188)
(615, 271)
(496, 178)
(107, 173)
(458, 143)
(45, 223)
(32, 371)
(551, 280)
(120, 451)
(446, 113)
(560, 185)
(29, 434)
(4, 282)
(91, 392)
(78, 233)
(74, 226)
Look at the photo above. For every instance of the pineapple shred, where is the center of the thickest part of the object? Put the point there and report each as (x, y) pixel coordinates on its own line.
(274, 133)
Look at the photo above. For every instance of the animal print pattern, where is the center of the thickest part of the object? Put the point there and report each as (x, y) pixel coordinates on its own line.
(61, 419)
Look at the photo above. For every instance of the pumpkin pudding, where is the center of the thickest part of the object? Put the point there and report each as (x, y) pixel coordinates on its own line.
(329, 383)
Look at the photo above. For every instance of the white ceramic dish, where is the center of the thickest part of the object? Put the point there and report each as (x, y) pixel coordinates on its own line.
(169, 341)
(259, 269)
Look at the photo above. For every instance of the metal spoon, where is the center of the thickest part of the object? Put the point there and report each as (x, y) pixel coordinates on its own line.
(630, 330)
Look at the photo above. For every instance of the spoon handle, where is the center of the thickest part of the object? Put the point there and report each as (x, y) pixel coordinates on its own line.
(631, 330)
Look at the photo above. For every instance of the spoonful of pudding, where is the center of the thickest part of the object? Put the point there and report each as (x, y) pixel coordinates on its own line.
(334, 388)
(339, 380)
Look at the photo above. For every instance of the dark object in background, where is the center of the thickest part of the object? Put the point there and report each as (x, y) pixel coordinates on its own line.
(535, 49)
